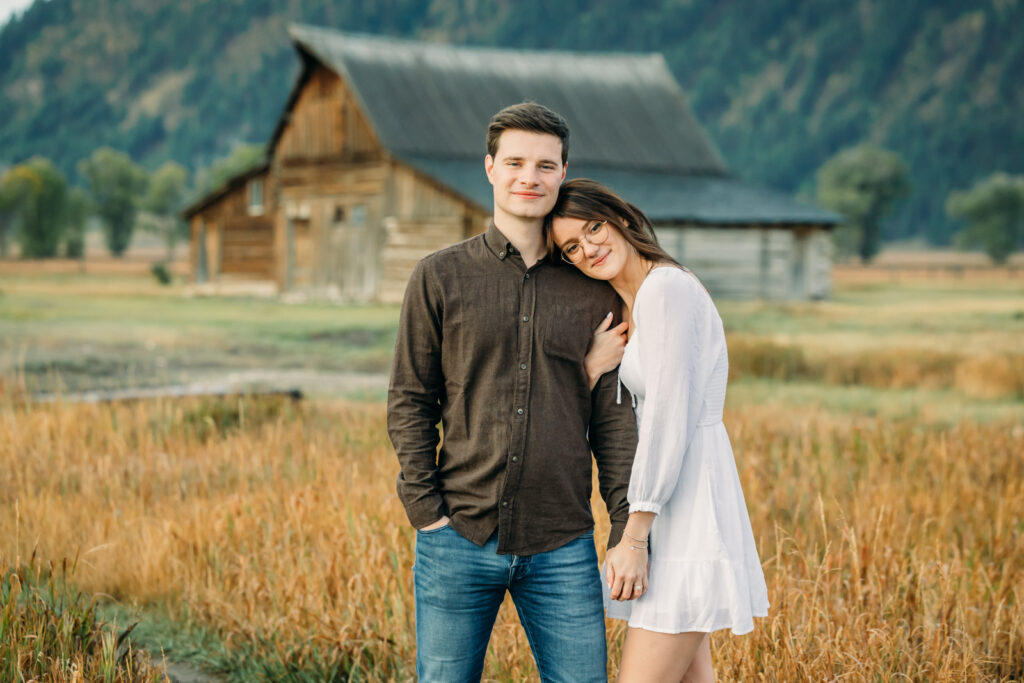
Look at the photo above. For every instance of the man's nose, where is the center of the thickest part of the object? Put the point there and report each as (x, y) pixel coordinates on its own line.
(528, 176)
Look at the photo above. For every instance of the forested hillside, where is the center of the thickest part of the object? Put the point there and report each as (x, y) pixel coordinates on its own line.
(780, 84)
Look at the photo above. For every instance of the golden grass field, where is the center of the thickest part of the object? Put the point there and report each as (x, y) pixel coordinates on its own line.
(891, 551)
(879, 439)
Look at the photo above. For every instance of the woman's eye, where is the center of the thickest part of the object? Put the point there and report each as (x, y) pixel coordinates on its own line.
(571, 249)
(595, 228)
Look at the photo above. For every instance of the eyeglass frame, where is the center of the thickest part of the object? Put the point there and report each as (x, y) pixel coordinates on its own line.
(602, 227)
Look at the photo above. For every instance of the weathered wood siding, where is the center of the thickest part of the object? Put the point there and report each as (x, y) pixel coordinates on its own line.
(424, 217)
(227, 239)
(407, 241)
(332, 227)
(753, 262)
(325, 123)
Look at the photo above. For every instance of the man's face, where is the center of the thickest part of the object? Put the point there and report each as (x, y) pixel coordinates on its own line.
(526, 172)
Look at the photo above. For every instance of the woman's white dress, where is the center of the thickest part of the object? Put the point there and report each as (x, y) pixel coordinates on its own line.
(705, 574)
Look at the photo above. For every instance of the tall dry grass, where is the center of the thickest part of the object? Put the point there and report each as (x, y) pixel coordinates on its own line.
(992, 375)
(891, 550)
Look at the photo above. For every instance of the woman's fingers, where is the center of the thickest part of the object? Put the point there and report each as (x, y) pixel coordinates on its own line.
(603, 325)
(618, 589)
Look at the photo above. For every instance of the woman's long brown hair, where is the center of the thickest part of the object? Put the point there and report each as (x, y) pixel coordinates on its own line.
(591, 201)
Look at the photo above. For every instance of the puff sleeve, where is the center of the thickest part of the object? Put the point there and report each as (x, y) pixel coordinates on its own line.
(679, 338)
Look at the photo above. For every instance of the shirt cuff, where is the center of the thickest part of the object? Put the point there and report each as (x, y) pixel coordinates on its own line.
(425, 511)
(645, 507)
(615, 535)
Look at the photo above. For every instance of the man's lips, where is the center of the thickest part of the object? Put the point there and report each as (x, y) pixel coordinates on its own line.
(528, 195)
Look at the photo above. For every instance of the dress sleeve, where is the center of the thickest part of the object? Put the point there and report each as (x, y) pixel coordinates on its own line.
(679, 341)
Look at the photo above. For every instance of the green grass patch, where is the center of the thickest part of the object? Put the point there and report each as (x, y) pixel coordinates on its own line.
(51, 632)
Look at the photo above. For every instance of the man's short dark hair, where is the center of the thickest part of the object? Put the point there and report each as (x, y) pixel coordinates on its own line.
(528, 116)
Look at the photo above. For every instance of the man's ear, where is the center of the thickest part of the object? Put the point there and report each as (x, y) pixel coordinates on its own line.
(489, 167)
(565, 167)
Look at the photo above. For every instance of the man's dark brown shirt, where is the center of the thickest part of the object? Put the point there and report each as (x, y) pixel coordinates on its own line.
(494, 352)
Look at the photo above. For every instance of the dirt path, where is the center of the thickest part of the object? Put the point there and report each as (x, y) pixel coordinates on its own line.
(308, 382)
(184, 673)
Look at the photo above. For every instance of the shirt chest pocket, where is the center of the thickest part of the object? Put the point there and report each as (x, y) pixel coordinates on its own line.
(566, 335)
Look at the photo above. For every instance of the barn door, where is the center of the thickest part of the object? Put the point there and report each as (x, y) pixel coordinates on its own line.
(351, 252)
(300, 251)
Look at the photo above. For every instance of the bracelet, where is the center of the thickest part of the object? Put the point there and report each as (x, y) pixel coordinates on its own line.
(634, 538)
(638, 547)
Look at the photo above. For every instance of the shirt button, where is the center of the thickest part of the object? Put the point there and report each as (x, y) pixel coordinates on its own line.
(515, 458)
(526, 318)
(522, 366)
(504, 503)
(527, 276)
(520, 411)
(501, 254)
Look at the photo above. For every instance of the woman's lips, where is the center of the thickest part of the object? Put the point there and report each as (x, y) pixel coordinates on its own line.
(600, 260)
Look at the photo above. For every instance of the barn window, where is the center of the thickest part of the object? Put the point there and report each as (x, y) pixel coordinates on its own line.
(358, 215)
(256, 197)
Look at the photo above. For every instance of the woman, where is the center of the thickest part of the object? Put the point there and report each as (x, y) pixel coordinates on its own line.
(688, 530)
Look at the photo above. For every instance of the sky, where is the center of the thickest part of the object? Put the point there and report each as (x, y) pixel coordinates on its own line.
(9, 6)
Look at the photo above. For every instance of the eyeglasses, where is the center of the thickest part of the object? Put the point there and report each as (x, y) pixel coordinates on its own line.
(595, 233)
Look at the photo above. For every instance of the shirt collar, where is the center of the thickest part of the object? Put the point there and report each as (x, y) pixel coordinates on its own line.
(497, 242)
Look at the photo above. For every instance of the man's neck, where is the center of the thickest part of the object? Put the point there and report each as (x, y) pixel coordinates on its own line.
(525, 234)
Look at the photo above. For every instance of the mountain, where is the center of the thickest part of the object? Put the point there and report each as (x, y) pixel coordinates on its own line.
(781, 85)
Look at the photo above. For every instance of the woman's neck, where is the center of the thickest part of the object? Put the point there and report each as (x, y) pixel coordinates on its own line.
(629, 279)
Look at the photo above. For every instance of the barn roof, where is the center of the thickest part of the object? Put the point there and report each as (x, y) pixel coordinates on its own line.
(664, 197)
(212, 196)
(631, 126)
(434, 100)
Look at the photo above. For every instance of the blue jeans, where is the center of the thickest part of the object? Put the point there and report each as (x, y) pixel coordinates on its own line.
(460, 586)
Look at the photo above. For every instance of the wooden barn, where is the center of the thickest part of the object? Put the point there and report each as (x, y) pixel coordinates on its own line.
(377, 161)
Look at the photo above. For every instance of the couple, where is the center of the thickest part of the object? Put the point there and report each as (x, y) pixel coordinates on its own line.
(497, 342)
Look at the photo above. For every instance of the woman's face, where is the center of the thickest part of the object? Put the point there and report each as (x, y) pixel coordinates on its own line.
(601, 261)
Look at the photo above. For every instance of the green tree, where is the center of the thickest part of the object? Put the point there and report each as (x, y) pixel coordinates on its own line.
(242, 158)
(116, 184)
(994, 211)
(13, 191)
(79, 208)
(166, 190)
(33, 196)
(862, 183)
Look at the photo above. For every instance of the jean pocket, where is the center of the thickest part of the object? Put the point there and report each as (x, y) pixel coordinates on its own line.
(439, 529)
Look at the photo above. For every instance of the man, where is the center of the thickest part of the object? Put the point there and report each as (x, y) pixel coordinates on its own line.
(491, 343)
